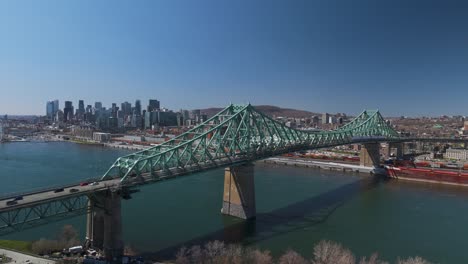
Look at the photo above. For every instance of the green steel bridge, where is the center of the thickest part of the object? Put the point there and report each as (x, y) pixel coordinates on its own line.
(237, 135)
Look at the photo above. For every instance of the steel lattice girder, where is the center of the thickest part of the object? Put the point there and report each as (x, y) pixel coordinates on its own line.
(22, 218)
(240, 131)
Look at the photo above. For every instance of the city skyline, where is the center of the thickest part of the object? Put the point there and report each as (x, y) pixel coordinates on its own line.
(401, 58)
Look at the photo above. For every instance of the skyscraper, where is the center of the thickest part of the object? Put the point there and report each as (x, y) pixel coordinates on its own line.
(56, 106)
(138, 107)
(153, 105)
(98, 106)
(81, 108)
(51, 109)
(68, 111)
(126, 108)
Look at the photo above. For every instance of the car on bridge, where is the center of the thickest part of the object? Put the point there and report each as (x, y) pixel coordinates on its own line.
(84, 184)
(18, 198)
(13, 202)
(74, 190)
(58, 190)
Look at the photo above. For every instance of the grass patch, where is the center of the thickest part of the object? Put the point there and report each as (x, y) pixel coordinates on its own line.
(4, 259)
(23, 246)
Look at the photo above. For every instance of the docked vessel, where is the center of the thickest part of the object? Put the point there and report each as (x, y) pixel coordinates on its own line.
(428, 174)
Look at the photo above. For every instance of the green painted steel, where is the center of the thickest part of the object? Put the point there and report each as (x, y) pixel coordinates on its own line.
(240, 133)
(41, 213)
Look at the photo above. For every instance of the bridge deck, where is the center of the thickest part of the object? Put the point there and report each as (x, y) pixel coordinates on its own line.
(50, 195)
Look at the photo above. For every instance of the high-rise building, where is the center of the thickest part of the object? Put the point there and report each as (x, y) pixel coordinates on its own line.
(126, 108)
(81, 107)
(56, 106)
(51, 109)
(153, 105)
(98, 106)
(114, 110)
(325, 118)
(68, 111)
(138, 107)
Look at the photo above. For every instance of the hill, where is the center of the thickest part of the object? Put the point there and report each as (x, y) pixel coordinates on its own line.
(270, 110)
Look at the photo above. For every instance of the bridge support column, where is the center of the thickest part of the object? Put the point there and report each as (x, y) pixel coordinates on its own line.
(370, 155)
(398, 149)
(239, 191)
(104, 226)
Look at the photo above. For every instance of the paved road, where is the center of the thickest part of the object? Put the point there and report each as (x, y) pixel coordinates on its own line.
(24, 258)
(41, 197)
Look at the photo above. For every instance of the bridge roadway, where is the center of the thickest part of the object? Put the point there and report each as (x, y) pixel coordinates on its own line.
(48, 195)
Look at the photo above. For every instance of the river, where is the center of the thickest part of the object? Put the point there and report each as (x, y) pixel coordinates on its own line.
(296, 207)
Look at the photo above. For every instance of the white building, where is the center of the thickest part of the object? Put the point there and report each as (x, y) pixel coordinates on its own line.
(101, 137)
(458, 154)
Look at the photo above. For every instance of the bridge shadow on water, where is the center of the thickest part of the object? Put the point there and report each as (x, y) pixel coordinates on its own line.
(297, 216)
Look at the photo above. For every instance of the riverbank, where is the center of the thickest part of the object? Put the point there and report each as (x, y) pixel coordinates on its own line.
(20, 252)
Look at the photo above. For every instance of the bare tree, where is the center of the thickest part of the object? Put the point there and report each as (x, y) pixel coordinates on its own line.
(258, 257)
(292, 257)
(68, 237)
(233, 254)
(328, 252)
(413, 260)
(373, 259)
(44, 246)
(183, 256)
(196, 254)
(214, 251)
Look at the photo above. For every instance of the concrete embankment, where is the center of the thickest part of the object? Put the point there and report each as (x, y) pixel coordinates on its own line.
(333, 166)
(19, 257)
(129, 147)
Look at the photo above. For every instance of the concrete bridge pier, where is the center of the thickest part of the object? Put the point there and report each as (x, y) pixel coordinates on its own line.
(104, 225)
(398, 149)
(370, 155)
(239, 191)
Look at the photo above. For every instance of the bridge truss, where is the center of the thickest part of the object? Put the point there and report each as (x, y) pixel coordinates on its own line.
(240, 133)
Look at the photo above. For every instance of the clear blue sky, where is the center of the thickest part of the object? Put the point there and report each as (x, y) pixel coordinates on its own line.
(403, 57)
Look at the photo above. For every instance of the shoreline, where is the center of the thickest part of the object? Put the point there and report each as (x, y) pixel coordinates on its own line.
(332, 166)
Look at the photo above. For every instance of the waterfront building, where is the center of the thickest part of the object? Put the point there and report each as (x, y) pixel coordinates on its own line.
(84, 131)
(101, 137)
(458, 154)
